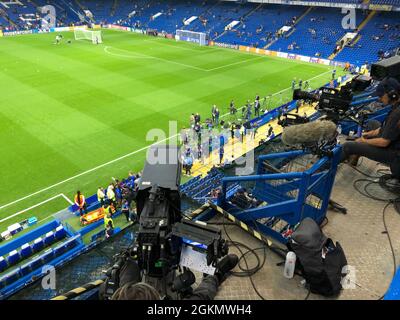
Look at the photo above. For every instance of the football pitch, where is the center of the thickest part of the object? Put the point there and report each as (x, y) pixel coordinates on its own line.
(75, 115)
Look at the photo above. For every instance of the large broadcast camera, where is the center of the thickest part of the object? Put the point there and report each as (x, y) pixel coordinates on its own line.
(333, 103)
(167, 242)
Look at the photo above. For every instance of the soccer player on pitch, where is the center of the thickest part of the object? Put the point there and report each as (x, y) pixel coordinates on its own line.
(58, 39)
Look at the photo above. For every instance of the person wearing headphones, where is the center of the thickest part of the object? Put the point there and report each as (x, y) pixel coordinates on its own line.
(380, 143)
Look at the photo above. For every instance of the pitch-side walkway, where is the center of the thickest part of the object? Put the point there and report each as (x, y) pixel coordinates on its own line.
(235, 148)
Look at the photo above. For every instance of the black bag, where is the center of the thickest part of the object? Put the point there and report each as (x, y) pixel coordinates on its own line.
(323, 274)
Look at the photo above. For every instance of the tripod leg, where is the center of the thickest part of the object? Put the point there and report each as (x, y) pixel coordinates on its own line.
(337, 206)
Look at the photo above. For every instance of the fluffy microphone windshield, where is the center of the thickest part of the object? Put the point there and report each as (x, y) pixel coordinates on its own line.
(309, 133)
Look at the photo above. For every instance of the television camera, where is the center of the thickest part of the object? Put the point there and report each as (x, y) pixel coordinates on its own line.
(332, 102)
(167, 242)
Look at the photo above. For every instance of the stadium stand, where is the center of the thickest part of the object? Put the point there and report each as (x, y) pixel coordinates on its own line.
(381, 35)
(315, 35)
(261, 26)
(385, 2)
(45, 236)
(310, 31)
(48, 243)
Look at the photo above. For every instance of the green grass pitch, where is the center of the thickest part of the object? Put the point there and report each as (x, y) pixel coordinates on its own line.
(65, 110)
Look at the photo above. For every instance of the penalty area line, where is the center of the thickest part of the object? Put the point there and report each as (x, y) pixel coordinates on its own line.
(37, 205)
(135, 55)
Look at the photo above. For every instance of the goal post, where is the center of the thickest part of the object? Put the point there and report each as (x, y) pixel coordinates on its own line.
(85, 34)
(192, 36)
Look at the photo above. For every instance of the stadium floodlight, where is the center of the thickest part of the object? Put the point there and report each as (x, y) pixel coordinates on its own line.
(191, 36)
(84, 34)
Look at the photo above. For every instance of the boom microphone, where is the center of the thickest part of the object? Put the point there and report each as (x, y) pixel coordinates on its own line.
(309, 134)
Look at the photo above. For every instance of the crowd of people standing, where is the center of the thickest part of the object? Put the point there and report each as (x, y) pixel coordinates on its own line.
(118, 195)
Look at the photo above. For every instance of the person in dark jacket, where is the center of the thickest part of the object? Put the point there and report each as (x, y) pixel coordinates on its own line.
(130, 287)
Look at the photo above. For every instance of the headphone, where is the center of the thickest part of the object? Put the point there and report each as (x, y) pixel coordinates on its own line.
(392, 94)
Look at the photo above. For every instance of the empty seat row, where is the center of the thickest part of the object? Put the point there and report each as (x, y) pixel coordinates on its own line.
(36, 262)
(27, 249)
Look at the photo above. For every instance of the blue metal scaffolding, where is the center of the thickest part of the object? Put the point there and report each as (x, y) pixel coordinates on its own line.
(284, 199)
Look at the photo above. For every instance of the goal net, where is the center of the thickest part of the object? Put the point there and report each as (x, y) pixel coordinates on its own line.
(191, 36)
(84, 34)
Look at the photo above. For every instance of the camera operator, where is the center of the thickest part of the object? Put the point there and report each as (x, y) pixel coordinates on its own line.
(130, 287)
(380, 143)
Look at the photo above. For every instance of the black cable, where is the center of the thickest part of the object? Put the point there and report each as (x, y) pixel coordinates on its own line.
(385, 183)
(390, 241)
(308, 294)
(252, 271)
(365, 192)
(389, 201)
(245, 272)
(396, 205)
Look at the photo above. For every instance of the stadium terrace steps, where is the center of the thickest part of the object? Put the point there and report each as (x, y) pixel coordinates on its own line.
(366, 20)
(270, 18)
(305, 13)
(114, 8)
(242, 18)
(82, 7)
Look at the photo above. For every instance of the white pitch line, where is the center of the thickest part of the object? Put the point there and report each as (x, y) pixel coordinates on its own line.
(235, 63)
(145, 56)
(160, 42)
(150, 57)
(118, 159)
(35, 206)
(66, 198)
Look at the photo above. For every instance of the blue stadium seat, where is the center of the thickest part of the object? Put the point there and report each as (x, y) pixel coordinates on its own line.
(60, 232)
(12, 277)
(25, 269)
(38, 244)
(59, 250)
(3, 264)
(47, 256)
(49, 238)
(2, 282)
(70, 243)
(26, 251)
(36, 263)
(13, 257)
